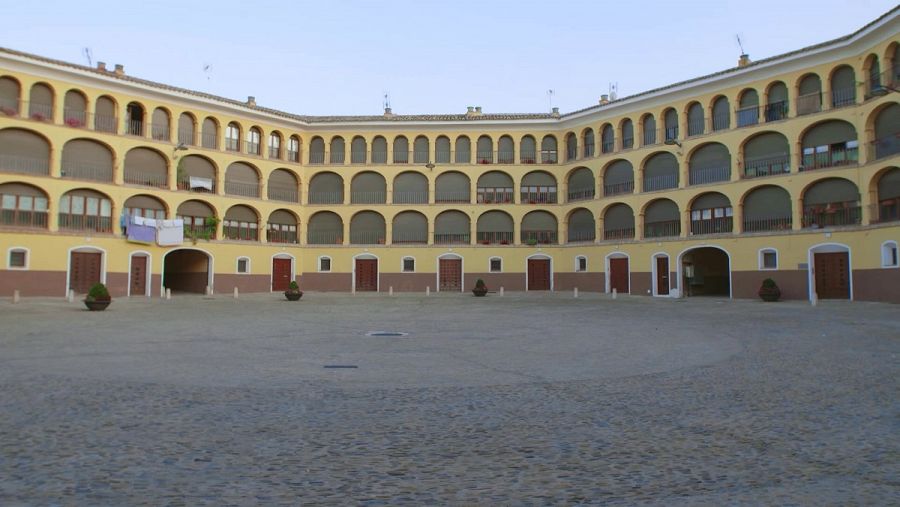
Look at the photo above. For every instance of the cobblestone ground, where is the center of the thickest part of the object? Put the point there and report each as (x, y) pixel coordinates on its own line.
(525, 399)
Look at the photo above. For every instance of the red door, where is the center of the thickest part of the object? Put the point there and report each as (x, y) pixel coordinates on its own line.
(84, 272)
(832, 275)
(450, 275)
(538, 274)
(281, 274)
(366, 275)
(662, 276)
(618, 275)
(138, 282)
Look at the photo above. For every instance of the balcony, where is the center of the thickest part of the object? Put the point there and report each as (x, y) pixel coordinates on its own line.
(252, 147)
(494, 195)
(549, 157)
(358, 157)
(186, 138)
(843, 97)
(661, 182)
(538, 237)
(232, 144)
(337, 157)
(378, 157)
(449, 238)
(420, 156)
(242, 189)
(836, 155)
(696, 127)
(402, 197)
(326, 197)
(721, 121)
(325, 237)
(160, 131)
(376, 197)
(442, 157)
(85, 223)
(747, 116)
(75, 118)
(197, 184)
(650, 138)
(447, 196)
(777, 111)
(885, 147)
(367, 237)
(707, 175)
(494, 238)
(9, 107)
(619, 234)
(401, 157)
(24, 219)
(484, 157)
(39, 112)
(134, 128)
(626, 187)
(199, 230)
(284, 194)
(317, 157)
(240, 233)
(146, 179)
(580, 194)
(809, 103)
(274, 153)
(766, 166)
(209, 140)
(24, 165)
(662, 229)
(607, 146)
(281, 236)
(538, 195)
(760, 224)
(86, 171)
(293, 156)
(582, 235)
(409, 237)
(719, 225)
(888, 210)
(834, 214)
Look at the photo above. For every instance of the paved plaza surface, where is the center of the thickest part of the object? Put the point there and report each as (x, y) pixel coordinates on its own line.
(526, 399)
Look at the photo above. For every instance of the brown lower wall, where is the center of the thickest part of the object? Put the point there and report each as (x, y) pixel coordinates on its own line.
(509, 281)
(640, 283)
(586, 282)
(794, 284)
(225, 283)
(326, 282)
(407, 282)
(32, 283)
(117, 284)
(877, 285)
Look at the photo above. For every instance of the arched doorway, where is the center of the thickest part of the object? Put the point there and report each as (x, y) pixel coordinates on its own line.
(139, 274)
(365, 273)
(87, 266)
(539, 273)
(618, 275)
(705, 271)
(450, 273)
(187, 270)
(282, 272)
(830, 272)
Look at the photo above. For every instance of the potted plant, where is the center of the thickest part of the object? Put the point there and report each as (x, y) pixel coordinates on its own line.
(769, 291)
(97, 298)
(532, 242)
(480, 288)
(293, 293)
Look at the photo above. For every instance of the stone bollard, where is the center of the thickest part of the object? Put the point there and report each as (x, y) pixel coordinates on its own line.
(615, 293)
(501, 291)
(427, 290)
(390, 290)
(575, 293)
(168, 293)
(71, 296)
(814, 299)
(236, 295)
(16, 297)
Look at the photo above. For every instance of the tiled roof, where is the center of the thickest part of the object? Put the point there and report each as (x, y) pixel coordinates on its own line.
(425, 117)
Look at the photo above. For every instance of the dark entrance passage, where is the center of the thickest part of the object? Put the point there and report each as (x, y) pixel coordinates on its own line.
(84, 271)
(367, 275)
(186, 271)
(832, 275)
(281, 274)
(450, 275)
(538, 274)
(618, 275)
(705, 272)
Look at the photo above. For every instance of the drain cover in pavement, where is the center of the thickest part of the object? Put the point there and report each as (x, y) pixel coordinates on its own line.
(386, 333)
(340, 366)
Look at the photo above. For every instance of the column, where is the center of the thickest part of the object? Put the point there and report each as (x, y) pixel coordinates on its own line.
(797, 221)
(388, 232)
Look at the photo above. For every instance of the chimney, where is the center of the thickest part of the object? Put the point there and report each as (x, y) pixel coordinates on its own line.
(604, 99)
(555, 112)
(120, 69)
(477, 109)
(470, 110)
(101, 66)
(387, 112)
(744, 60)
(251, 101)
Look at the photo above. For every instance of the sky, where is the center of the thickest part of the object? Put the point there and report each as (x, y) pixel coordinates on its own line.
(339, 57)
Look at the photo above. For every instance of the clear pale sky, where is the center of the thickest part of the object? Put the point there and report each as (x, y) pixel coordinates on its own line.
(340, 56)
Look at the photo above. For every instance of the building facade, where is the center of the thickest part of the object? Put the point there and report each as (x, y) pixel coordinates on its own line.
(785, 168)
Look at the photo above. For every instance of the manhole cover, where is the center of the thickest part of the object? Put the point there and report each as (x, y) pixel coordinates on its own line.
(340, 366)
(386, 333)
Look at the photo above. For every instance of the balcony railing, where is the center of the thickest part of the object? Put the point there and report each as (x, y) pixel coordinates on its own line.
(200, 231)
(251, 147)
(420, 156)
(209, 140)
(626, 143)
(325, 237)
(402, 197)
(358, 197)
(240, 233)
(662, 229)
(506, 157)
(580, 194)
(491, 196)
(23, 218)
(39, 111)
(451, 238)
(134, 127)
(358, 157)
(232, 144)
(159, 132)
(547, 197)
(696, 127)
(538, 237)
(85, 171)
(809, 103)
(442, 157)
(834, 157)
(721, 225)
(625, 187)
(76, 118)
(766, 166)
(197, 184)
(293, 156)
(186, 137)
(316, 157)
(705, 175)
(832, 215)
(777, 111)
(146, 179)
(549, 157)
(484, 157)
(885, 147)
(409, 237)
(608, 146)
(588, 150)
(650, 138)
(105, 123)
(747, 116)
(671, 133)
(24, 165)
(761, 224)
(721, 121)
(243, 189)
(284, 194)
(336, 157)
(274, 153)
(277, 236)
(326, 197)
(581, 235)
(661, 182)
(888, 210)
(528, 157)
(9, 107)
(367, 237)
(843, 97)
(494, 237)
(447, 196)
(621, 233)
(85, 223)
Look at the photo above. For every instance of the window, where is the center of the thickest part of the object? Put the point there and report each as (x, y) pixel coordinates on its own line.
(240, 230)
(243, 265)
(274, 146)
(294, 149)
(253, 141)
(23, 210)
(889, 258)
(232, 137)
(768, 259)
(18, 259)
(409, 265)
(496, 265)
(580, 263)
(324, 264)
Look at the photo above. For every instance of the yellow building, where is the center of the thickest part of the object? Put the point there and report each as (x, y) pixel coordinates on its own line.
(784, 168)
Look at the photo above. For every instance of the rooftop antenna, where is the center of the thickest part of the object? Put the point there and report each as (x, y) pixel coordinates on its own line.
(207, 69)
(550, 98)
(613, 91)
(740, 44)
(387, 100)
(88, 56)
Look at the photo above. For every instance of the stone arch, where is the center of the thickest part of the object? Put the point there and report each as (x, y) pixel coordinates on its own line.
(87, 159)
(242, 179)
(146, 166)
(452, 227)
(283, 185)
(709, 163)
(660, 171)
(368, 187)
(581, 184)
(410, 187)
(662, 219)
(539, 227)
(538, 187)
(401, 150)
(24, 151)
(766, 154)
(452, 186)
(495, 227)
(326, 188)
(618, 222)
(767, 208)
(367, 227)
(409, 227)
(325, 228)
(581, 225)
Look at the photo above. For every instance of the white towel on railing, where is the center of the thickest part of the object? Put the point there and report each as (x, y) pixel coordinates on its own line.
(150, 222)
(169, 232)
(197, 182)
(136, 220)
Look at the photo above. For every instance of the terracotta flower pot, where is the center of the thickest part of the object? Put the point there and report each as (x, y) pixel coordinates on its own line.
(480, 291)
(293, 296)
(97, 305)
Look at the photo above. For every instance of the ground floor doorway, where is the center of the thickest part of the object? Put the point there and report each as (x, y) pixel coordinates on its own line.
(281, 274)
(538, 274)
(450, 275)
(832, 275)
(706, 271)
(85, 269)
(662, 275)
(619, 275)
(137, 277)
(366, 275)
(186, 270)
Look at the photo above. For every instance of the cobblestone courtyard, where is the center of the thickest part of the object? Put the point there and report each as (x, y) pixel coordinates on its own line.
(525, 399)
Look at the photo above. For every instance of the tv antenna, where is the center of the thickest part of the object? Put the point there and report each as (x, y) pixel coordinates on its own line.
(550, 98)
(386, 103)
(613, 91)
(740, 44)
(88, 56)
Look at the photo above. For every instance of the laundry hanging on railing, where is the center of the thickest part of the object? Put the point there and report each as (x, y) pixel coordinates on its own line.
(138, 231)
(198, 182)
(169, 232)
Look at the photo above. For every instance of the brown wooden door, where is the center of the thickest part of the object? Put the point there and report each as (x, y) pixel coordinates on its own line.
(366, 275)
(662, 276)
(138, 276)
(281, 274)
(450, 275)
(618, 275)
(84, 272)
(538, 274)
(832, 275)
